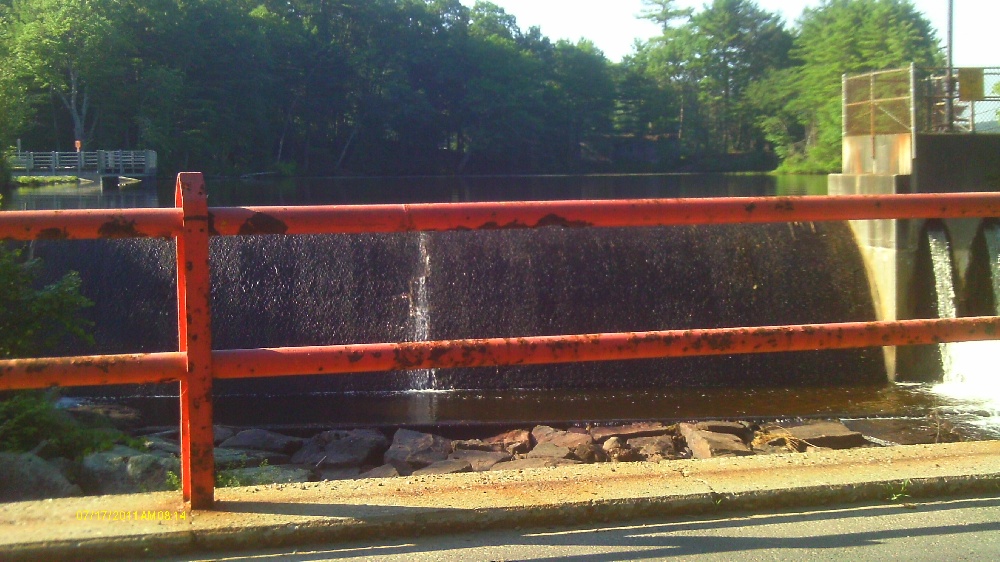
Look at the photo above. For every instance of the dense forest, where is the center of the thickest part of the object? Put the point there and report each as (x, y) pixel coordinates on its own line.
(317, 87)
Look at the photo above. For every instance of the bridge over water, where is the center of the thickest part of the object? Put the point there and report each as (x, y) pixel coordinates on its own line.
(94, 165)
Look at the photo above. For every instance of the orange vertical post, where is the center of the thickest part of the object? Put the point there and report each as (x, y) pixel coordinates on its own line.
(194, 332)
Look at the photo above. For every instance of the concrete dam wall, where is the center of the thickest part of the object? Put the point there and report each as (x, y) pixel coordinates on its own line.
(314, 290)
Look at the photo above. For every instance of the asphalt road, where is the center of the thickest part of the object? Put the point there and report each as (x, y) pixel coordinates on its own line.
(963, 529)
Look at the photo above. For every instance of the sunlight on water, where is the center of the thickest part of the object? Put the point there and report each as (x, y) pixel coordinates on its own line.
(971, 370)
(974, 373)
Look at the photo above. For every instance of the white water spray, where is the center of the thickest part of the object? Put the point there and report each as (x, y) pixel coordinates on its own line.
(420, 318)
(971, 369)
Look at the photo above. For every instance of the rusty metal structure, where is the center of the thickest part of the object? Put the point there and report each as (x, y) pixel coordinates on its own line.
(195, 364)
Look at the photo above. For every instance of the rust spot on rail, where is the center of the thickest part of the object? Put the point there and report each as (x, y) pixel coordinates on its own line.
(262, 223)
(119, 227)
(53, 233)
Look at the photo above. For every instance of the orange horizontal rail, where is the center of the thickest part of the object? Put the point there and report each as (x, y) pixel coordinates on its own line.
(195, 365)
(533, 350)
(92, 370)
(360, 358)
(90, 223)
(352, 219)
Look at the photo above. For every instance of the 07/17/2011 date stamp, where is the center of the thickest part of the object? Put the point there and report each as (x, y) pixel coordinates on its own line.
(118, 515)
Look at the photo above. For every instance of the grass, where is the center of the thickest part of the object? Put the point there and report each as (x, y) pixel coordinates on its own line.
(35, 181)
(897, 492)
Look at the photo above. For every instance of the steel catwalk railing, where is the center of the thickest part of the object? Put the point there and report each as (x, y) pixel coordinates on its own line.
(196, 365)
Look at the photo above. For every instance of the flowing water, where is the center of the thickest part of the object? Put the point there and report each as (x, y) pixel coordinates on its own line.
(441, 285)
(971, 378)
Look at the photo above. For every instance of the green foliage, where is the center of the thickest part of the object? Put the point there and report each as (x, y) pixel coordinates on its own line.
(5, 177)
(35, 181)
(34, 321)
(432, 86)
(897, 492)
(30, 420)
(844, 37)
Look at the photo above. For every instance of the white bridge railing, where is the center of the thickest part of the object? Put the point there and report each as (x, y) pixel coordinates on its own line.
(101, 162)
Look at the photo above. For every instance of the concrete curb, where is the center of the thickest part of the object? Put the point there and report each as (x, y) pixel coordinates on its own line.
(292, 515)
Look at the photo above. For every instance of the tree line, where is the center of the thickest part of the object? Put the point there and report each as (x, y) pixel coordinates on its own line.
(317, 87)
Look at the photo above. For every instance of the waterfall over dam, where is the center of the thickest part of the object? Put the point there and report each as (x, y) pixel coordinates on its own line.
(273, 291)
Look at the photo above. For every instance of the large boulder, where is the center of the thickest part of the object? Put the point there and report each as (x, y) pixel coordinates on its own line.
(340, 449)
(412, 450)
(479, 460)
(515, 441)
(642, 429)
(226, 459)
(830, 434)
(543, 434)
(263, 440)
(708, 444)
(26, 476)
(656, 448)
(123, 470)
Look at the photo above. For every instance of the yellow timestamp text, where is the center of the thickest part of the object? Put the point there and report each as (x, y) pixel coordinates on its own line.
(114, 515)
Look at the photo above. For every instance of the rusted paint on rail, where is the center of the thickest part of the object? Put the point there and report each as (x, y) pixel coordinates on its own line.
(90, 223)
(93, 370)
(352, 219)
(357, 358)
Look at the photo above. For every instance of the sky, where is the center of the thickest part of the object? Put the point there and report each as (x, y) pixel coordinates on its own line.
(613, 26)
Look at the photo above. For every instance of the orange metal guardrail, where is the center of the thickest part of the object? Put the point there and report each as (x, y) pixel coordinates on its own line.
(195, 364)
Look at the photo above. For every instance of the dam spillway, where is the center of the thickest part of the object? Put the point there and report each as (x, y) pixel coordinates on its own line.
(317, 290)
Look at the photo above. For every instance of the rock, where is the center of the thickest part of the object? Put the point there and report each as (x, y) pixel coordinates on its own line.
(123, 470)
(649, 429)
(656, 448)
(343, 448)
(708, 444)
(220, 433)
(544, 434)
(829, 434)
(259, 475)
(447, 466)
(550, 450)
(226, 459)
(384, 471)
(263, 440)
(412, 450)
(738, 429)
(154, 443)
(612, 443)
(480, 460)
(540, 462)
(624, 454)
(589, 453)
(26, 476)
(515, 442)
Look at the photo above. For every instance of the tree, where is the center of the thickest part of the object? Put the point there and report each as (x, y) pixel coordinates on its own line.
(664, 12)
(70, 49)
(835, 38)
(33, 320)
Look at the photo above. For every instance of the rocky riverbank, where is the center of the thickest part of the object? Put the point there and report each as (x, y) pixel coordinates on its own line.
(254, 456)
